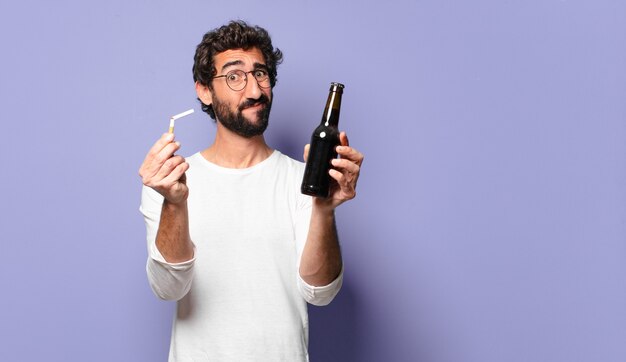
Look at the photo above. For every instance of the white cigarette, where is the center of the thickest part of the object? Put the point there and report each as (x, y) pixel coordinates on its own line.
(180, 115)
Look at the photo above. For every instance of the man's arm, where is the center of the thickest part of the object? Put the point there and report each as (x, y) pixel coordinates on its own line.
(165, 173)
(321, 257)
(321, 261)
(173, 239)
(168, 281)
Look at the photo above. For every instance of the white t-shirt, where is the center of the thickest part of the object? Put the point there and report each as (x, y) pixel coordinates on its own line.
(241, 297)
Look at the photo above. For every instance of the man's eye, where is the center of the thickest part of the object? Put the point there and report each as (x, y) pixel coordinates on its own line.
(234, 77)
(260, 73)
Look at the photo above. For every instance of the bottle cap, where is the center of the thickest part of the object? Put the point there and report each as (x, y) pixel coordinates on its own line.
(336, 87)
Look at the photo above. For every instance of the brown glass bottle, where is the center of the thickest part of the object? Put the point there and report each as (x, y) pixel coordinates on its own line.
(324, 140)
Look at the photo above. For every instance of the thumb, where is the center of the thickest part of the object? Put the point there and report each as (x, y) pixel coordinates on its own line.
(305, 155)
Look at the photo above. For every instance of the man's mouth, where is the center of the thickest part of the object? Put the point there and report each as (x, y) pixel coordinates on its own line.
(255, 105)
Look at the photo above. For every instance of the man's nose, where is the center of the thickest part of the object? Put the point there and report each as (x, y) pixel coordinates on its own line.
(252, 89)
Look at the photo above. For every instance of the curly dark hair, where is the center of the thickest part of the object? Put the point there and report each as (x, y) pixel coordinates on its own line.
(234, 35)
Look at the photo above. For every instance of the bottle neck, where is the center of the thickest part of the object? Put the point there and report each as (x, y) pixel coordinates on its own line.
(331, 111)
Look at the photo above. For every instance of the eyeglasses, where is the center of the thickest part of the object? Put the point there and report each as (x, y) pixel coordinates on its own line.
(238, 79)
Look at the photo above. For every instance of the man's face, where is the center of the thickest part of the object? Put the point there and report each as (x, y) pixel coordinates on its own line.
(245, 112)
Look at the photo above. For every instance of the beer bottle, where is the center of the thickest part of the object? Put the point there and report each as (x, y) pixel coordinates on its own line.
(324, 140)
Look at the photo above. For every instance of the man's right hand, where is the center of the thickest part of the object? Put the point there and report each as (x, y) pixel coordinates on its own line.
(164, 172)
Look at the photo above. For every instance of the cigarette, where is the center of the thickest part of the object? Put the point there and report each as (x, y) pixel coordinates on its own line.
(180, 115)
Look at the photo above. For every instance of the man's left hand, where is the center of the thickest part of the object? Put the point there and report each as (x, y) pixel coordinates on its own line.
(345, 173)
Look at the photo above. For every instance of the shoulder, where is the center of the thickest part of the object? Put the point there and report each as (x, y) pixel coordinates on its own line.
(194, 159)
(198, 166)
(288, 163)
(291, 169)
(292, 172)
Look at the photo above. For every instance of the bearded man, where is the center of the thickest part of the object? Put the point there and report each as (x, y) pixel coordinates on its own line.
(230, 236)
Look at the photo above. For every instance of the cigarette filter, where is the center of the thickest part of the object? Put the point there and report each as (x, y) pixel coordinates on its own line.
(174, 118)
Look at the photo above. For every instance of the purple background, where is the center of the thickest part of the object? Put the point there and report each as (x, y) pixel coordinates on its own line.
(490, 223)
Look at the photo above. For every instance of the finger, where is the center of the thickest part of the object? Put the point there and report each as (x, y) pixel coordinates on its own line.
(347, 187)
(165, 154)
(343, 139)
(337, 176)
(349, 176)
(305, 154)
(168, 167)
(175, 175)
(350, 153)
(346, 165)
(153, 164)
(165, 139)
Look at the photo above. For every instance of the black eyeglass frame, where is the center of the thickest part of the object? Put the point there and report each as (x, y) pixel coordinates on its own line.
(245, 78)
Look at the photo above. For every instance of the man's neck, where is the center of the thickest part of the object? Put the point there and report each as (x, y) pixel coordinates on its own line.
(234, 151)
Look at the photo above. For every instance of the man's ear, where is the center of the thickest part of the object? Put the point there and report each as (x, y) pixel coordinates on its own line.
(204, 94)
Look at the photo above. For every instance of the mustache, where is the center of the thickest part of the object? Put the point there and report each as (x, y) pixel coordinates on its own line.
(263, 99)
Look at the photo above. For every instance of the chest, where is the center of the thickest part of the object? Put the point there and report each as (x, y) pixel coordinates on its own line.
(242, 221)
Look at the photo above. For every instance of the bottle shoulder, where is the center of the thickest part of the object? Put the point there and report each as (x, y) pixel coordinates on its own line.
(326, 134)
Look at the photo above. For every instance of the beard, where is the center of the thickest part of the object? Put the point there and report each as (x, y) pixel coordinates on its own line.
(237, 123)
